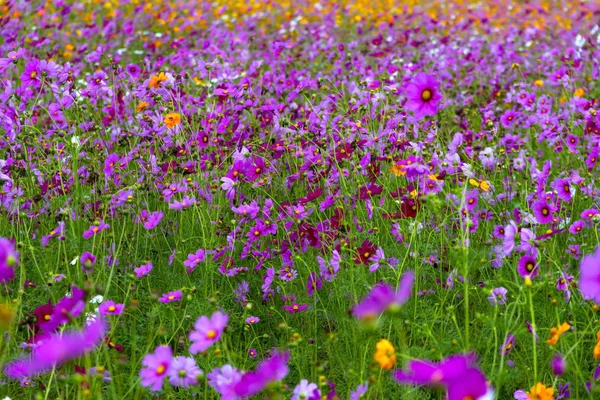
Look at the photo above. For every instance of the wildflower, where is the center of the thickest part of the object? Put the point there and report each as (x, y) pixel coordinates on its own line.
(272, 370)
(252, 353)
(597, 346)
(56, 350)
(558, 365)
(183, 372)
(458, 374)
(95, 229)
(156, 367)
(194, 259)
(143, 270)
(9, 258)
(497, 296)
(589, 276)
(306, 390)
(171, 297)
(539, 391)
(383, 297)
(68, 307)
(87, 261)
(579, 92)
(150, 219)
(364, 252)
(313, 283)
(252, 320)
(294, 308)
(207, 331)
(508, 345)
(155, 80)
(385, 354)
(556, 333)
(109, 307)
(172, 120)
(360, 391)
(224, 380)
(543, 212)
(142, 106)
(423, 95)
(576, 227)
(528, 267)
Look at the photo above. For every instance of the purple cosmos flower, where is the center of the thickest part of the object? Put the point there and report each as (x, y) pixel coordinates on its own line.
(194, 259)
(109, 307)
(329, 270)
(156, 367)
(171, 297)
(577, 227)
(271, 370)
(589, 213)
(87, 261)
(529, 242)
(508, 118)
(508, 345)
(313, 283)
(151, 220)
(68, 307)
(295, 308)
(589, 276)
(558, 365)
(183, 372)
(95, 229)
(143, 270)
(563, 189)
(542, 211)
(383, 297)
(56, 350)
(306, 390)
(58, 232)
(252, 320)
(224, 380)
(252, 353)
(184, 203)
(9, 259)
(510, 232)
(423, 95)
(207, 331)
(360, 391)
(498, 296)
(528, 267)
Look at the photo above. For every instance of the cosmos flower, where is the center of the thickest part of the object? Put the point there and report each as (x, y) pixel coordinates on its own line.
(383, 298)
(56, 350)
(271, 370)
(207, 331)
(556, 333)
(95, 229)
(109, 307)
(385, 355)
(224, 380)
(171, 297)
(589, 276)
(156, 367)
(183, 372)
(143, 270)
(508, 345)
(9, 258)
(497, 296)
(306, 390)
(558, 365)
(423, 95)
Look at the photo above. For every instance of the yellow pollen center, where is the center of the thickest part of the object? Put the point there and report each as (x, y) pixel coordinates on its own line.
(47, 317)
(211, 334)
(426, 95)
(160, 370)
(111, 308)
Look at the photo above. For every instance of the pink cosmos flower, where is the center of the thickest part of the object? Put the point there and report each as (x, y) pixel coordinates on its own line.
(171, 297)
(109, 307)
(156, 367)
(207, 331)
(95, 229)
(184, 372)
(423, 95)
(56, 350)
(143, 270)
(9, 258)
(589, 276)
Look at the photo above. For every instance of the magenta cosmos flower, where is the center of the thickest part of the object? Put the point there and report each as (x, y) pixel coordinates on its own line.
(156, 367)
(109, 307)
(207, 331)
(171, 297)
(143, 270)
(589, 276)
(272, 370)
(184, 372)
(423, 95)
(56, 350)
(95, 229)
(383, 297)
(9, 258)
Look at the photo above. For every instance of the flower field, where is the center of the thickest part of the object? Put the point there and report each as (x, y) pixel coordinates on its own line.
(300, 199)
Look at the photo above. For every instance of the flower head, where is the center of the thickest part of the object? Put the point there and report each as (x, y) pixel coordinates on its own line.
(207, 331)
(423, 95)
(156, 367)
(385, 354)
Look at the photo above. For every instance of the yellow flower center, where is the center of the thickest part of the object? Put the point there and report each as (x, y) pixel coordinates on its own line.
(426, 95)
(160, 370)
(211, 334)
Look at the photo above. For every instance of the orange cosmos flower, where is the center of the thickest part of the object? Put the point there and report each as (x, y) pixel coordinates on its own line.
(556, 333)
(540, 392)
(172, 119)
(579, 92)
(142, 106)
(597, 347)
(385, 354)
(155, 80)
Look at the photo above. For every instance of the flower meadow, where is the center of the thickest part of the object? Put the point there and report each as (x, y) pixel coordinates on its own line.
(299, 200)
